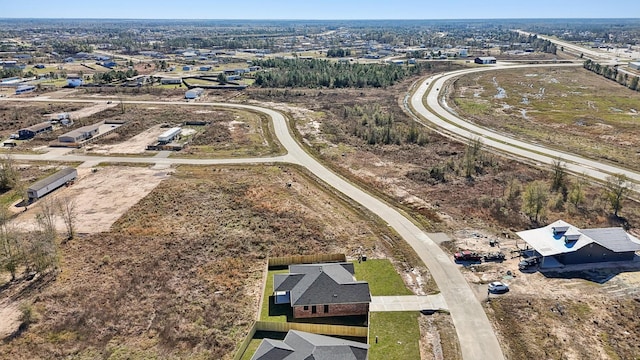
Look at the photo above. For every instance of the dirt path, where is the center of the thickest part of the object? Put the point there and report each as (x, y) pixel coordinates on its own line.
(9, 318)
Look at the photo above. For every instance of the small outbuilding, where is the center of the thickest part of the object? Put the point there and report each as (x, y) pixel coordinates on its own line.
(33, 130)
(484, 60)
(635, 65)
(193, 93)
(49, 184)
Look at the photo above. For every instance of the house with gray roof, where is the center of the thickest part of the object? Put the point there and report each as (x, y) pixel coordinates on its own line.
(322, 290)
(299, 345)
(561, 243)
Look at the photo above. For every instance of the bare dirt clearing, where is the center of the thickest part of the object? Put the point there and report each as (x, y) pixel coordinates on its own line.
(101, 197)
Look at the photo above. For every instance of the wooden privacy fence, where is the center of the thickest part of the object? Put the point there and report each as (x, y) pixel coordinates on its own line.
(305, 259)
(323, 329)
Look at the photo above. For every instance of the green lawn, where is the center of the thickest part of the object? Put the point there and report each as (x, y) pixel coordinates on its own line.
(382, 277)
(275, 316)
(398, 335)
(251, 349)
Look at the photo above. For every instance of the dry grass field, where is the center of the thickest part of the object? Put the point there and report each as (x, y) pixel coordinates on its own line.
(179, 275)
(568, 108)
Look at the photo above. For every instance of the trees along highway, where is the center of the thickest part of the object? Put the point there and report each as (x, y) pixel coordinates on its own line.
(475, 333)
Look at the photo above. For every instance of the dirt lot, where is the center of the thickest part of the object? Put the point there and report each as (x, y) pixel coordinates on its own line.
(179, 275)
(135, 145)
(570, 109)
(101, 197)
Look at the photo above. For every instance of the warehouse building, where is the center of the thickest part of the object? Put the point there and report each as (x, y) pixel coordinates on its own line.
(32, 131)
(79, 134)
(169, 81)
(23, 89)
(485, 60)
(169, 135)
(49, 184)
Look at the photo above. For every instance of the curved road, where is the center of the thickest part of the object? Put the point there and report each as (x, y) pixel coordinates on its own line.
(457, 126)
(475, 333)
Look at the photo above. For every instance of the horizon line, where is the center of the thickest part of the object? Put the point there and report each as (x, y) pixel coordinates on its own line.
(307, 19)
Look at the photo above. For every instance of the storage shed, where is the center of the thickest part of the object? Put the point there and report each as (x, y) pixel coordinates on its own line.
(193, 93)
(32, 131)
(79, 134)
(47, 185)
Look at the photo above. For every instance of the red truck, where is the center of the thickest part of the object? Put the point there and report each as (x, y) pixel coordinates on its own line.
(467, 255)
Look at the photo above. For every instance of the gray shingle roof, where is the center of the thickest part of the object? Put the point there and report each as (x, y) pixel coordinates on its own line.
(307, 346)
(320, 284)
(614, 239)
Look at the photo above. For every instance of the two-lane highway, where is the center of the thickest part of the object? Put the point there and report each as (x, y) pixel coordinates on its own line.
(453, 124)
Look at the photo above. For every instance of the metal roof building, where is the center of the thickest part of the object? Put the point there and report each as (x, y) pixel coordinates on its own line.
(299, 345)
(80, 134)
(47, 185)
(33, 130)
(562, 243)
(485, 60)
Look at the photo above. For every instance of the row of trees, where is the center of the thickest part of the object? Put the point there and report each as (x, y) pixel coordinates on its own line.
(113, 75)
(612, 73)
(339, 52)
(318, 73)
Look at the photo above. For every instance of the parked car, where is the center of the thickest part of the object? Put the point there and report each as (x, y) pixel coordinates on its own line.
(528, 262)
(467, 255)
(494, 256)
(498, 287)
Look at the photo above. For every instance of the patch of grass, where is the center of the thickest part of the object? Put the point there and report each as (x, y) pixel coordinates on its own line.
(382, 277)
(398, 335)
(269, 311)
(251, 349)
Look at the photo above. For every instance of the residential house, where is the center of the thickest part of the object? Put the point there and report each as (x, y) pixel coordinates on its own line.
(322, 290)
(302, 345)
(561, 243)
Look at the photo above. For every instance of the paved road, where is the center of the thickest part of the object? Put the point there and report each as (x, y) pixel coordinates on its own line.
(475, 333)
(453, 124)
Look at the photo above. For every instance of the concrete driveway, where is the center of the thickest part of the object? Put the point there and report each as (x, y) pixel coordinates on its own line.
(407, 303)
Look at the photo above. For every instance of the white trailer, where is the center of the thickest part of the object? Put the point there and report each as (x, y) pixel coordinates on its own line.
(47, 185)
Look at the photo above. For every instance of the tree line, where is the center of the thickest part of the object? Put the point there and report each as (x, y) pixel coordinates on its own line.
(317, 73)
(612, 73)
(113, 75)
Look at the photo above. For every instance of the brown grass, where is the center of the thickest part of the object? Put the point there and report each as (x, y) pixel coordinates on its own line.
(179, 276)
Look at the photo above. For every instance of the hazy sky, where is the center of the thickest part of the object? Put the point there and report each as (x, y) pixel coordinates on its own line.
(317, 9)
